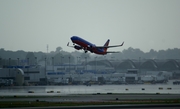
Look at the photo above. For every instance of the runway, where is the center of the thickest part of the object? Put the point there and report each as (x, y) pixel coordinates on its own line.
(93, 97)
(106, 93)
(93, 93)
(168, 88)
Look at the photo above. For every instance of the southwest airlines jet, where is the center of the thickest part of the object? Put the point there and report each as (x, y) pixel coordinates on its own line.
(81, 44)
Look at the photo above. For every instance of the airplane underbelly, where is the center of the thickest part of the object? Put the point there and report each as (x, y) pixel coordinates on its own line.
(99, 51)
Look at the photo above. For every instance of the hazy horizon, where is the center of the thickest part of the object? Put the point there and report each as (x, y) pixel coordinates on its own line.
(144, 24)
(82, 51)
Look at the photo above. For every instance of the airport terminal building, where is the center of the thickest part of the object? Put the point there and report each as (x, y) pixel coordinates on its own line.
(97, 72)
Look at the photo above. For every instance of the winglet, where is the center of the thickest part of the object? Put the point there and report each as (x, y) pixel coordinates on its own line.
(69, 45)
(122, 44)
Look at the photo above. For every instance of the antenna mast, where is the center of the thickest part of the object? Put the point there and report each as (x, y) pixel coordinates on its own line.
(47, 48)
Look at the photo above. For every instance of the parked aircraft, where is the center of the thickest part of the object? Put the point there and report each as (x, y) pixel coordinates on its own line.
(81, 44)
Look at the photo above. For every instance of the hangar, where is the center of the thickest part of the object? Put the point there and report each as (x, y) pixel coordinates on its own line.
(170, 65)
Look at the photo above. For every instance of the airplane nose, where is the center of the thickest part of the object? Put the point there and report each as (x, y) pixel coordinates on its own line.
(73, 38)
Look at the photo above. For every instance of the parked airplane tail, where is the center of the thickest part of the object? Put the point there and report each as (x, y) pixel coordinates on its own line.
(106, 44)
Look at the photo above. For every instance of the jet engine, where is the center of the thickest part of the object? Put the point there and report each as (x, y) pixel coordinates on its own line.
(77, 47)
(90, 48)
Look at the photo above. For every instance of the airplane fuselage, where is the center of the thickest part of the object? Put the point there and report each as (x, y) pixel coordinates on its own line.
(87, 46)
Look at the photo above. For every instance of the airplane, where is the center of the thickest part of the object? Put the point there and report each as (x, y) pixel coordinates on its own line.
(81, 44)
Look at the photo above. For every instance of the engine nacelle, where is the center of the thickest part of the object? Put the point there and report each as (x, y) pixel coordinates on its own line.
(77, 47)
(91, 48)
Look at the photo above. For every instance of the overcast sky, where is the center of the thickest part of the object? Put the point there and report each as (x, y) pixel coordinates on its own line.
(30, 25)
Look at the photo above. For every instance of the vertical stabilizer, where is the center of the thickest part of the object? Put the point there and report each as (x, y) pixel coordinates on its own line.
(106, 44)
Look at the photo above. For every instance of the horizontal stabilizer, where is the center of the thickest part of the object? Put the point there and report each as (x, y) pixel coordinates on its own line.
(112, 52)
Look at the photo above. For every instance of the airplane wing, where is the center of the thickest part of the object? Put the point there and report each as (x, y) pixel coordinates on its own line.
(109, 46)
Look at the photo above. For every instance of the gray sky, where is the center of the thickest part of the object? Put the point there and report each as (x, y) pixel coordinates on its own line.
(30, 25)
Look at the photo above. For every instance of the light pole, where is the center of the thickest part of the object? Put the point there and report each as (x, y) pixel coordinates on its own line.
(62, 61)
(35, 61)
(77, 67)
(112, 58)
(62, 65)
(35, 64)
(86, 63)
(95, 64)
(45, 70)
(69, 65)
(28, 65)
(28, 61)
(0, 61)
(53, 63)
(104, 57)
(139, 65)
(18, 62)
(9, 61)
(77, 61)
(9, 65)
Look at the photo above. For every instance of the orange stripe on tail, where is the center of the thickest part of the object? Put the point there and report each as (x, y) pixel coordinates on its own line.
(106, 44)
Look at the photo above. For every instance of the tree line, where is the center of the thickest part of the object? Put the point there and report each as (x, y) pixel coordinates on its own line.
(61, 57)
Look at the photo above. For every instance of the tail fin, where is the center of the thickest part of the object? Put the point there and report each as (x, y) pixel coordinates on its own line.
(106, 44)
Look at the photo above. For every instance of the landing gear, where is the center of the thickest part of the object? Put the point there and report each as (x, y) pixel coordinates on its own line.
(85, 50)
